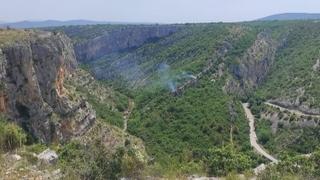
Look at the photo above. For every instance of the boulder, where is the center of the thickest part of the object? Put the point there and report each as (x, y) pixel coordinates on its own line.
(48, 156)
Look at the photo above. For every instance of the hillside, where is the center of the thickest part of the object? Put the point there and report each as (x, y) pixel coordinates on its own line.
(188, 84)
(292, 16)
(293, 84)
(50, 23)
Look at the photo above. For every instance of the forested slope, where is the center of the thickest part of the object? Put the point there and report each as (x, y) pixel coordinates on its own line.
(188, 84)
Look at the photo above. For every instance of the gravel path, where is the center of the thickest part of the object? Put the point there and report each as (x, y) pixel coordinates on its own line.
(253, 136)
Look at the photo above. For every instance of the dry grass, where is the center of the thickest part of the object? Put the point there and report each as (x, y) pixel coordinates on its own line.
(11, 36)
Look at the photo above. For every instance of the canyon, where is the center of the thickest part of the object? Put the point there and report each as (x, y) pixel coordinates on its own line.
(163, 99)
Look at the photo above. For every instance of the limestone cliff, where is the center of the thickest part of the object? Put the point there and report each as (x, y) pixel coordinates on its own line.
(32, 86)
(120, 39)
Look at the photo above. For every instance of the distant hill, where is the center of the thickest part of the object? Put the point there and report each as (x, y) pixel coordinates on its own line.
(51, 23)
(291, 16)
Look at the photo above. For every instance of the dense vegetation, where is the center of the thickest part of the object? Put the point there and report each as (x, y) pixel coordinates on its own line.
(287, 138)
(176, 128)
(294, 77)
(171, 126)
(293, 68)
(294, 167)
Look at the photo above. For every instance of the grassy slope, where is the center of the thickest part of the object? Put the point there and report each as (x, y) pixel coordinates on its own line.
(293, 66)
(11, 36)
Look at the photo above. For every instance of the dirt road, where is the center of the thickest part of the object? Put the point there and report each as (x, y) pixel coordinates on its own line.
(253, 136)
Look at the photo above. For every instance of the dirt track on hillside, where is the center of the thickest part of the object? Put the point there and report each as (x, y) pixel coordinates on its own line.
(293, 111)
(253, 136)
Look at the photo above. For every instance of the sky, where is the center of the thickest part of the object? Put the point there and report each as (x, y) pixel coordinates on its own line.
(151, 11)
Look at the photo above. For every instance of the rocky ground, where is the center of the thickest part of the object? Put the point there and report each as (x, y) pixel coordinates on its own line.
(28, 166)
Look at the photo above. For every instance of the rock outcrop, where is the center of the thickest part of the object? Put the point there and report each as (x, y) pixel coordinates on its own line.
(251, 69)
(316, 67)
(32, 92)
(48, 156)
(119, 40)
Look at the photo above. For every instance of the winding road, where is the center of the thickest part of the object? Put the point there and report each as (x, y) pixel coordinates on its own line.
(253, 135)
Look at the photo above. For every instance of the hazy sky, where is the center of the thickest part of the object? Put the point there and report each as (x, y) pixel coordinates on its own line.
(162, 11)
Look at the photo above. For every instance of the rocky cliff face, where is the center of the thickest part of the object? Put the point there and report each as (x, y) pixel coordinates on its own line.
(32, 87)
(251, 69)
(119, 40)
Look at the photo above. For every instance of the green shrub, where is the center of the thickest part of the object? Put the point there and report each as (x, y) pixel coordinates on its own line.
(294, 167)
(11, 136)
(131, 166)
(222, 161)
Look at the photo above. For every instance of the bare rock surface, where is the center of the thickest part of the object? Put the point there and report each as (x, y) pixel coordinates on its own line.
(32, 90)
(48, 156)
